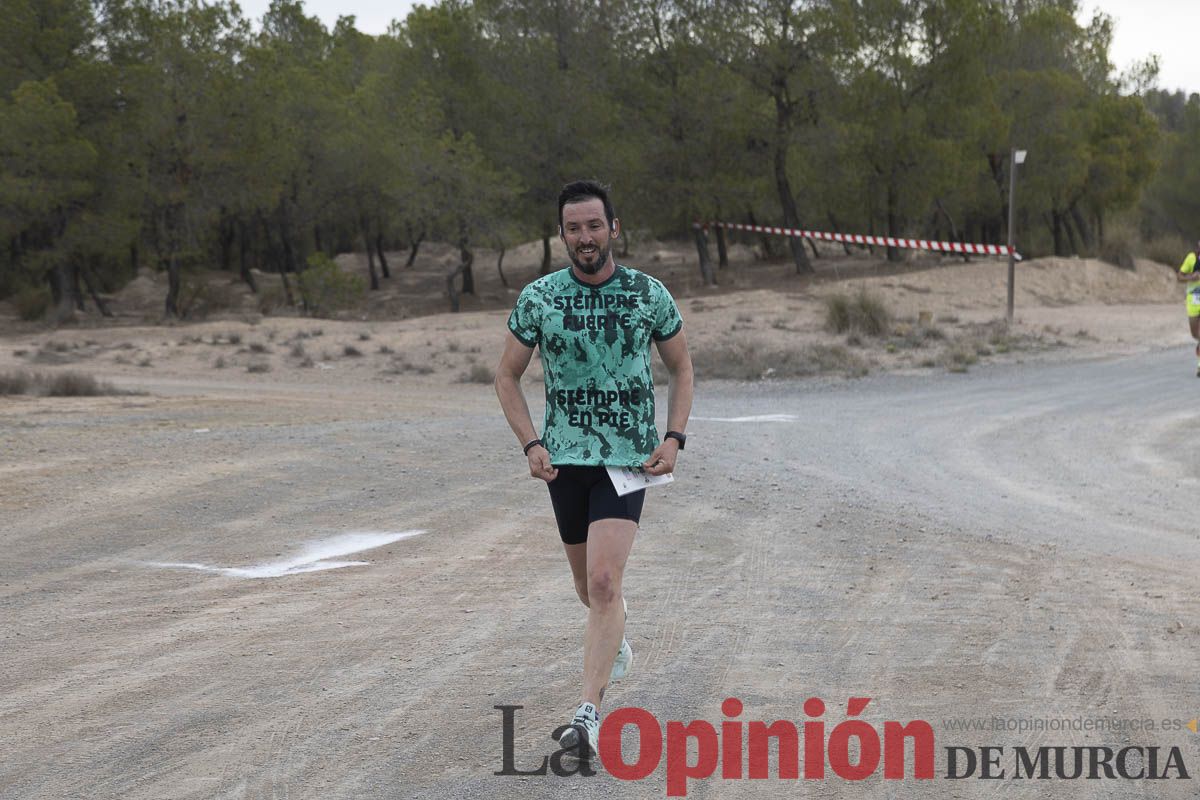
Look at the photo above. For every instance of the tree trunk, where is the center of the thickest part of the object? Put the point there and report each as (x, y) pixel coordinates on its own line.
(953, 228)
(412, 253)
(76, 289)
(243, 264)
(838, 229)
(452, 290)
(893, 223)
(722, 251)
(383, 265)
(289, 253)
(366, 234)
(871, 216)
(706, 272)
(1057, 228)
(1070, 230)
(225, 234)
(500, 268)
(173, 284)
(95, 295)
(468, 261)
(60, 291)
(287, 288)
(1081, 225)
(791, 215)
(545, 269)
(464, 269)
(171, 307)
(768, 245)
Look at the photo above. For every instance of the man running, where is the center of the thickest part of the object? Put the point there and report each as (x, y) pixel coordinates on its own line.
(594, 322)
(1187, 274)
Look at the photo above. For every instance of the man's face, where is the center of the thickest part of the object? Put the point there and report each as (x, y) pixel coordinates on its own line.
(586, 234)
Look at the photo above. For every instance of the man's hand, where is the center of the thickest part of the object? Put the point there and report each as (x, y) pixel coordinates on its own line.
(662, 460)
(539, 464)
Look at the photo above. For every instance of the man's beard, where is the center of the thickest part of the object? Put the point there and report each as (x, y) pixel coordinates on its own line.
(593, 268)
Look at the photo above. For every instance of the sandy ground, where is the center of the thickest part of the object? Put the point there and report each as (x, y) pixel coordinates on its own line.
(179, 621)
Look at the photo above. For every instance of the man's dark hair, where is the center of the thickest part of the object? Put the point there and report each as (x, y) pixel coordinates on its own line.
(577, 191)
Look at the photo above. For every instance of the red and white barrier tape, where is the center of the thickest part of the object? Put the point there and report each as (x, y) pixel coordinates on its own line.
(857, 238)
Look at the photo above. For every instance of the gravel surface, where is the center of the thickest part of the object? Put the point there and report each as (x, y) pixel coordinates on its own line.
(1017, 542)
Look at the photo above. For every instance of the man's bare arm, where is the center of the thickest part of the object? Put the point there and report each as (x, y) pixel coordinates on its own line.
(513, 363)
(675, 356)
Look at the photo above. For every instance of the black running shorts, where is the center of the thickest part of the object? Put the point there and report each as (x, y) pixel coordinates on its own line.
(582, 495)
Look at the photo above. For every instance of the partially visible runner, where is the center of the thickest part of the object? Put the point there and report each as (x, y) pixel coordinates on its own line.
(1188, 274)
(594, 322)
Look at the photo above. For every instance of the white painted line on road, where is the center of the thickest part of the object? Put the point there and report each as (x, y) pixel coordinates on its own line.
(315, 556)
(759, 418)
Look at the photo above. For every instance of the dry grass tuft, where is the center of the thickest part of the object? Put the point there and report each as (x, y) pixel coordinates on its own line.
(55, 384)
(402, 366)
(742, 360)
(477, 373)
(863, 313)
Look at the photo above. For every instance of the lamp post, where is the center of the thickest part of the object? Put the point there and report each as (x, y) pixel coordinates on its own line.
(1018, 157)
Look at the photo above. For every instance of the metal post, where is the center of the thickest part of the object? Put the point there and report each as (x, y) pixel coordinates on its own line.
(1017, 158)
(1012, 218)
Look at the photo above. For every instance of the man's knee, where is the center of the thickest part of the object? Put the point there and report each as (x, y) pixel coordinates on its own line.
(581, 589)
(602, 585)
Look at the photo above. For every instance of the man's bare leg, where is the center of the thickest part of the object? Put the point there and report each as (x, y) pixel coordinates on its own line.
(608, 545)
(577, 558)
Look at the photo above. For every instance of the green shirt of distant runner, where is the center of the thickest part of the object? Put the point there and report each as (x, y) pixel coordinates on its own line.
(1188, 274)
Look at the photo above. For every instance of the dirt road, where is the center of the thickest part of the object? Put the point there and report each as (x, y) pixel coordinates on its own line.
(1016, 542)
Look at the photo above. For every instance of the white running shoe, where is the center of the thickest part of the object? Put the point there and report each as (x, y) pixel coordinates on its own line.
(624, 660)
(585, 724)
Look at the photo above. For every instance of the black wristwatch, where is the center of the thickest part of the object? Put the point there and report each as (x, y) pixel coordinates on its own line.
(677, 436)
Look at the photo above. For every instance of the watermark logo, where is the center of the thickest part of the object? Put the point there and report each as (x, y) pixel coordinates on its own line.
(851, 750)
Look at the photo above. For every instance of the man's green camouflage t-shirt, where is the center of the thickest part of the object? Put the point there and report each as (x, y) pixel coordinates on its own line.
(595, 343)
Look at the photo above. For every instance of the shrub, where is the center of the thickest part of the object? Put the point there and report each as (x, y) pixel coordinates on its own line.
(401, 365)
(75, 384)
(271, 299)
(1169, 250)
(58, 384)
(864, 313)
(198, 298)
(31, 302)
(325, 288)
(1121, 241)
(350, 351)
(478, 373)
(743, 360)
(15, 382)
